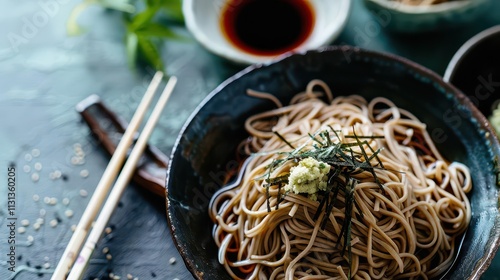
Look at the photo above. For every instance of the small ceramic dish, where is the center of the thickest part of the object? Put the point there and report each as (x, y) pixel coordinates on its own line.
(205, 148)
(475, 69)
(405, 18)
(203, 20)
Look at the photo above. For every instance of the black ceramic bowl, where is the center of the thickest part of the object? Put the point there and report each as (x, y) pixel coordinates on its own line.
(475, 69)
(205, 149)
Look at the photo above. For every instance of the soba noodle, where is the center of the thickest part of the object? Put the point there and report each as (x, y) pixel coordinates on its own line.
(409, 229)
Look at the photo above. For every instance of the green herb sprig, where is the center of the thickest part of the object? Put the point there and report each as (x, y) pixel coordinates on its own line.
(144, 29)
(345, 162)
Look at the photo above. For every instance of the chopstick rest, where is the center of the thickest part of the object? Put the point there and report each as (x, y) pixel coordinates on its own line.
(108, 128)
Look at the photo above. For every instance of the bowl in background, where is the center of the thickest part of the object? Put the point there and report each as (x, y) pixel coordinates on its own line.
(203, 18)
(475, 69)
(206, 147)
(405, 18)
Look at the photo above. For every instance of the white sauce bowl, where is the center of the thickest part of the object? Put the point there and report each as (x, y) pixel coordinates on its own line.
(203, 18)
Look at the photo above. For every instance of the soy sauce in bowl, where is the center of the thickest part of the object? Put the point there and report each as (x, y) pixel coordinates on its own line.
(267, 27)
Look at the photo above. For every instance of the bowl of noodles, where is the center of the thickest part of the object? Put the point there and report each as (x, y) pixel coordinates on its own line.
(338, 163)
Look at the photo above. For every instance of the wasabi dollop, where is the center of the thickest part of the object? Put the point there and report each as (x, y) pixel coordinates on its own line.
(308, 177)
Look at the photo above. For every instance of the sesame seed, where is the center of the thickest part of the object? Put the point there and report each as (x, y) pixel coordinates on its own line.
(28, 157)
(172, 260)
(21, 230)
(83, 193)
(36, 197)
(53, 223)
(35, 177)
(109, 257)
(84, 173)
(26, 168)
(77, 146)
(36, 226)
(130, 277)
(35, 152)
(30, 238)
(40, 221)
(46, 200)
(25, 223)
(65, 201)
(68, 213)
(74, 160)
(46, 265)
(79, 153)
(57, 174)
(42, 212)
(108, 230)
(53, 201)
(73, 228)
(38, 166)
(105, 250)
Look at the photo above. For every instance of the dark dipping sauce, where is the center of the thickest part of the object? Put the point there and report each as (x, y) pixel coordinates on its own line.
(267, 27)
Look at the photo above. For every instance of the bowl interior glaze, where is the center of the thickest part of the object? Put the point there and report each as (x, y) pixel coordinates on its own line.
(205, 149)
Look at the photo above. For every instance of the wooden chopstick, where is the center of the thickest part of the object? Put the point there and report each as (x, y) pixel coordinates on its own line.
(121, 184)
(102, 189)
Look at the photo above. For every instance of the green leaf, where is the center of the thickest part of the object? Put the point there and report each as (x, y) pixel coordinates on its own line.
(174, 9)
(150, 52)
(132, 44)
(157, 30)
(143, 18)
(120, 5)
(152, 3)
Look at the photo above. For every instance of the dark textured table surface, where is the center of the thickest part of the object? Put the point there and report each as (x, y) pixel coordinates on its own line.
(44, 73)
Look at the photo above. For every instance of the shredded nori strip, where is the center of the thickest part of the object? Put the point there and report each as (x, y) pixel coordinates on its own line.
(343, 160)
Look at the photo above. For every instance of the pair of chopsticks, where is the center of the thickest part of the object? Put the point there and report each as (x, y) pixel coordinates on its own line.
(77, 254)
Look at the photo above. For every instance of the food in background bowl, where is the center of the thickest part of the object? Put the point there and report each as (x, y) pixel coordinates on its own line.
(204, 155)
(422, 2)
(403, 17)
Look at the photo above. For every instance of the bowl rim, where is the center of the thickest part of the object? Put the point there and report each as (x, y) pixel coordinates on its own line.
(192, 25)
(466, 49)
(489, 253)
(430, 9)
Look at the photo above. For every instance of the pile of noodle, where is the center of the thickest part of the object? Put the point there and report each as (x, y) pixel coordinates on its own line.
(408, 231)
